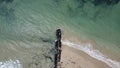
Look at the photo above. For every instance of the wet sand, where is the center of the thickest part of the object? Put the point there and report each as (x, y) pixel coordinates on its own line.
(72, 58)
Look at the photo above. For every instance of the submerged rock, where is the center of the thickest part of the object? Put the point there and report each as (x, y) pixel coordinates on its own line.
(7, 1)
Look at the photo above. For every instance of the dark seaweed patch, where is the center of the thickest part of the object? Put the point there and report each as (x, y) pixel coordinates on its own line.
(46, 40)
(4, 10)
(7, 1)
(81, 3)
(108, 2)
(48, 57)
(57, 1)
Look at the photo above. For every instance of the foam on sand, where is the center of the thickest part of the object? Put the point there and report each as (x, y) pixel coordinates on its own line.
(88, 49)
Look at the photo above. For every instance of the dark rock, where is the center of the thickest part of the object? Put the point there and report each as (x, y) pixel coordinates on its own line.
(58, 34)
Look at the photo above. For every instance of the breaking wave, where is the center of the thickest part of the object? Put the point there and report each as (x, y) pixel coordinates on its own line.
(11, 64)
(88, 49)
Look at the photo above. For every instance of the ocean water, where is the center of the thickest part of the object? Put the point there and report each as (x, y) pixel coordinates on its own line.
(27, 27)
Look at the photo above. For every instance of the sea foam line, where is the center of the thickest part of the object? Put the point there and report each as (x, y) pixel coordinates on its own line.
(88, 49)
(11, 64)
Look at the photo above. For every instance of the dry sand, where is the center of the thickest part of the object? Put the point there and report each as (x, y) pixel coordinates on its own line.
(72, 58)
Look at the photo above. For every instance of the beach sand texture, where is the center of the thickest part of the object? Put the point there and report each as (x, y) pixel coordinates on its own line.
(72, 58)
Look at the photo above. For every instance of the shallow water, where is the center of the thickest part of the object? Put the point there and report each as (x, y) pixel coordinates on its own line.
(27, 27)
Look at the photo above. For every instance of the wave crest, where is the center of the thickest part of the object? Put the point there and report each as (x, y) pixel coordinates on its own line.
(11, 64)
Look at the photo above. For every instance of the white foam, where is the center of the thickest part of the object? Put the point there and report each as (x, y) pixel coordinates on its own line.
(11, 64)
(88, 49)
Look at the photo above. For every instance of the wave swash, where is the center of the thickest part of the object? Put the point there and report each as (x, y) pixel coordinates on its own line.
(88, 49)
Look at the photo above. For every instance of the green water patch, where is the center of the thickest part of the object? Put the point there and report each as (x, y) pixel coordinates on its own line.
(93, 19)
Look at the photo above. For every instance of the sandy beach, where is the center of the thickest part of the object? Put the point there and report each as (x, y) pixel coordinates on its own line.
(72, 58)
(75, 58)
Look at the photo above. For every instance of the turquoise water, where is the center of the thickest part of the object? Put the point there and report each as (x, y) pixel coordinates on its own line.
(27, 27)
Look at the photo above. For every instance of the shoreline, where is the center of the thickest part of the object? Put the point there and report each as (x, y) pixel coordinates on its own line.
(94, 53)
(73, 58)
(108, 56)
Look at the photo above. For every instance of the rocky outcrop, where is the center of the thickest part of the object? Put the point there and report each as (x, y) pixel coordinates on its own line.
(57, 56)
